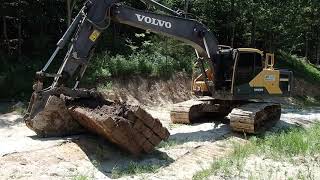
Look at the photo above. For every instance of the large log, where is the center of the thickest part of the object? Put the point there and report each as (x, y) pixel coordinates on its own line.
(129, 127)
(54, 120)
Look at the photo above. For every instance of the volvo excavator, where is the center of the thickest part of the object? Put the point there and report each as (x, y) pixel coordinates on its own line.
(230, 81)
(246, 80)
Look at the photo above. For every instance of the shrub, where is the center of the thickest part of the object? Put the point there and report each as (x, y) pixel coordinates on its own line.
(299, 67)
(142, 62)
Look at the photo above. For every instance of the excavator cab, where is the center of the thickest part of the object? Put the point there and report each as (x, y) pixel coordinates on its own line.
(255, 76)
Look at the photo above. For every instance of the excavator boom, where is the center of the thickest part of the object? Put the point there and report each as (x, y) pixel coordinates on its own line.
(89, 24)
(54, 109)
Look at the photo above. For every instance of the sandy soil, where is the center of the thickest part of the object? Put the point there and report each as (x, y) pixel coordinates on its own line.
(263, 168)
(192, 148)
(189, 149)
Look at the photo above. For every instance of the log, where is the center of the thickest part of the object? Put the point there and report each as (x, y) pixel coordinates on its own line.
(54, 120)
(129, 127)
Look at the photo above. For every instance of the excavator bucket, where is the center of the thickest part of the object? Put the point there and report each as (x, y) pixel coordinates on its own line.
(129, 127)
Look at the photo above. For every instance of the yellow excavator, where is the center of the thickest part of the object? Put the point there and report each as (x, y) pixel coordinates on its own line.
(235, 82)
(247, 79)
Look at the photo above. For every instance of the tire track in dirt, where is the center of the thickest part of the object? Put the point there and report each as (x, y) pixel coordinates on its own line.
(196, 160)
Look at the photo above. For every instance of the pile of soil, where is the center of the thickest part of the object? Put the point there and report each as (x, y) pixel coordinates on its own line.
(130, 127)
(151, 91)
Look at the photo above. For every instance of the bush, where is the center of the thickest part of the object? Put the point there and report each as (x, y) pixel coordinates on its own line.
(151, 61)
(299, 67)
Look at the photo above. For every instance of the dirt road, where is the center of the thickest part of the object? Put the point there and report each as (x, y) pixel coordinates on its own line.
(189, 149)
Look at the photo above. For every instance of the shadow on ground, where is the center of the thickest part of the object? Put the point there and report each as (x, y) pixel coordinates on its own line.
(217, 132)
(6, 120)
(114, 162)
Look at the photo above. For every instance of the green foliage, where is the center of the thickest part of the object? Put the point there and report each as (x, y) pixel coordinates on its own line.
(278, 146)
(133, 169)
(225, 165)
(306, 101)
(169, 143)
(151, 61)
(291, 143)
(16, 78)
(269, 25)
(299, 66)
(81, 177)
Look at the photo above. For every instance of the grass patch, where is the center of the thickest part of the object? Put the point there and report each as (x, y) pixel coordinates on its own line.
(105, 86)
(169, 143)
(278, 146)
(20, 108)
(173, 126)
(5, 107)
(306, 101)
(151, 60)
(134, 168)
(290, 143)
(226, 165)
(81, 177)
(299, 67)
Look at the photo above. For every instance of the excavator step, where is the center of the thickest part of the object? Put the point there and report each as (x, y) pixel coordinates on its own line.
(254, 118)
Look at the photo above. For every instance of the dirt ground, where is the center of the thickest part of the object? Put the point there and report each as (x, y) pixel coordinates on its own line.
(190, 148)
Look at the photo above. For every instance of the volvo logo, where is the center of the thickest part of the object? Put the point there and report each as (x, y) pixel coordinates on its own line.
(153, 21)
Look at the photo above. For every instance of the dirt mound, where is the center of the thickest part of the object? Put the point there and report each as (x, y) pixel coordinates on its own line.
(151, 91)
(304, 88)
(130, 127)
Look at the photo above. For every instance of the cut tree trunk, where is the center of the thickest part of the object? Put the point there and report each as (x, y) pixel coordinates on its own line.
(129, 127)
(5, 34)
(20, 30)
(253, 32)
(69, 11)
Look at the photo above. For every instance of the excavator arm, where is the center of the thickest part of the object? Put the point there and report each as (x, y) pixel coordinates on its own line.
(87, 27)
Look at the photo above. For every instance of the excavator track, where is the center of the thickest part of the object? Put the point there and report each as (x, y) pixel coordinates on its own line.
(184, 112)
(195, 110)
(254, 118)
(245, 117)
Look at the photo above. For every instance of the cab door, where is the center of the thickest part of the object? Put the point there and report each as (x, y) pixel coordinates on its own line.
(247, 66)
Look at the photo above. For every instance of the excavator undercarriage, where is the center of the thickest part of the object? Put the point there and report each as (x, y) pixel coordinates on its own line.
(243, 94)
(243, 116)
